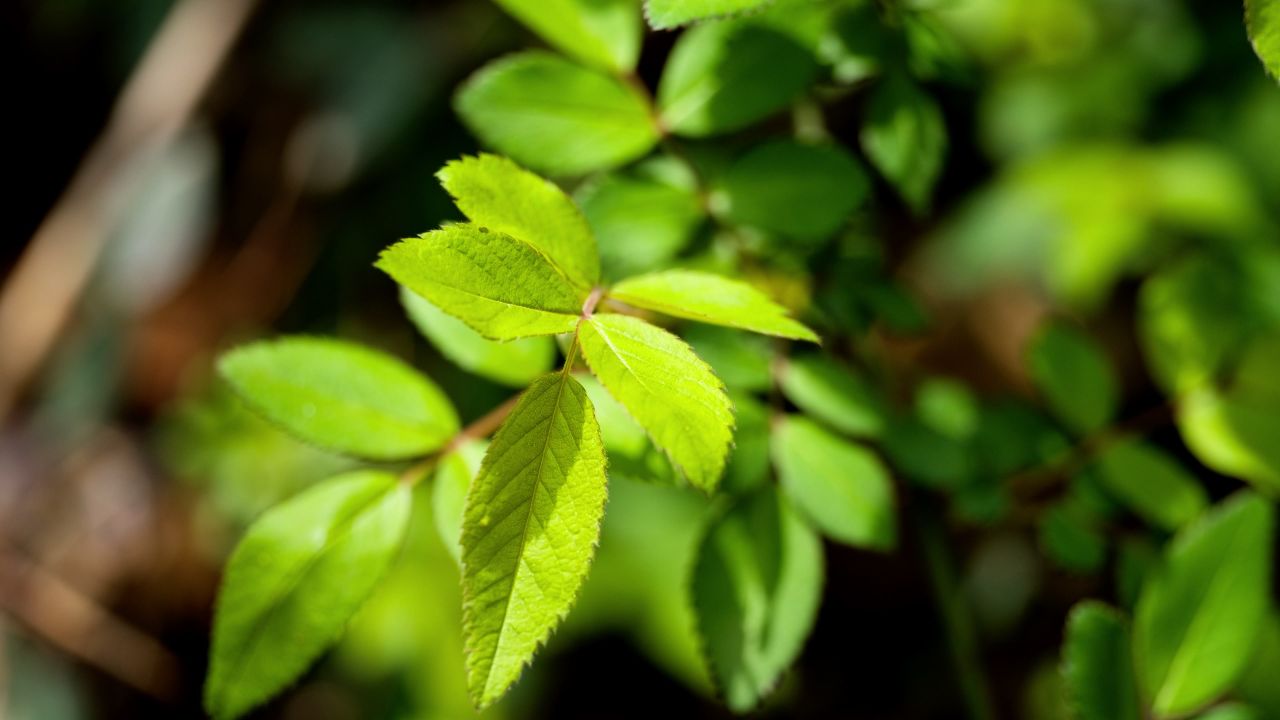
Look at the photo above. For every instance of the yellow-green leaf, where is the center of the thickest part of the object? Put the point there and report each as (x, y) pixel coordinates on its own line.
(604, 33)
(1262, 17)
(711, 299)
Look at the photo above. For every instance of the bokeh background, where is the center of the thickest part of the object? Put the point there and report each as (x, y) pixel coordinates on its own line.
(188, 174)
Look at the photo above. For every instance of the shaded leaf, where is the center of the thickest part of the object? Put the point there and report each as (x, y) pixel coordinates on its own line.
(296, 578)
(530, 528)
(1199, 614)
(838, 484)
(834, 394)
(905, 137)
(1152, 484)
(1097, 665)
(514, 362)
(454, 473)
(640, 224)
(1075, 377)
(672, 394)
(342, 396)
(555, 116)
(756, 588)
(495, 193)
(711, 299)
(501, 287)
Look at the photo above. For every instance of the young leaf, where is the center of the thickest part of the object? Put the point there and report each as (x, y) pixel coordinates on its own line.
(1097, 666)
(603, 33)
(1262, 17)
(711, 299)
(906, 139)
(833, 394)
(1075, 377)
(342, 396)
(667, 14)
(293, 582)
(530, 527)
(1151, 484)
(841, 486)
(1198, 616)
(792, 189)
(668, 390)
(454, 474)
(640, 224)
(501, 287)
(555, 116)
(515, 362)
(756, 588)
(725, 76)
(495, 193)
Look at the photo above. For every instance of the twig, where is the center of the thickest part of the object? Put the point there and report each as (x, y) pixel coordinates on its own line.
(154, 106)
(482, 427)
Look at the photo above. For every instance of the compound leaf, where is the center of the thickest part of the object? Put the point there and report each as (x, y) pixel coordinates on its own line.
(530, 528)
(555, 116)
(1097, 667)
(342, 396)
(1262, 17)
(756, 587)
(839, 485)
(1199, 614)
(667, 14)
(293, 582)
(711, 299)
(514, 362)
(501, 287)
(495, 193)
(672, 393)
(603, 33)
(725, 76)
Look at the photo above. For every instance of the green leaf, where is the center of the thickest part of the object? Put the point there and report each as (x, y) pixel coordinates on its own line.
(905, 137)
(668, 390)
(947, 407)
(530, 527)
(1262, 17)
(603, 33)
(841, 486)
(1257, 685)
(725, 76)
(1075, 377)
(556, 116)
(342, 396)
(792, 189)
(1097, 667)
(495, 193)
(1071, 538)
(710, 299)
(501, 287)
(1152, 484)
(836, 395)
(1231, 711)
(1235, 430)
(756, 588)
(1199, 614)
(453, 478)
(741, 361)
(640, 224)
(667, 14)
(515, 362)
(300, 573)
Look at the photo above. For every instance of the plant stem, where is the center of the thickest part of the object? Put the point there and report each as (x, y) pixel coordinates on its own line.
(956, 618)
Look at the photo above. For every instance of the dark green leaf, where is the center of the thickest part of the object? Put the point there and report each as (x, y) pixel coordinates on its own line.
(1097, 665)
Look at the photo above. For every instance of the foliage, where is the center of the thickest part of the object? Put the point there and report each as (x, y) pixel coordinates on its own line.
(721, 202)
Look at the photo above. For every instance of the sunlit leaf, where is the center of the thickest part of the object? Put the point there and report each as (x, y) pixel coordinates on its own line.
(1097, 667)
(838, 484)
(723, 76)
(497, 194)
(530, 528)
(1262, 17)
(756, 588)
(555, 116)
(711, 299)
(501, 287)
(671, 392)
(666, 14)
(605, 33)
(1200, 613)
(342, 396)
(514, 362)
(293, 582)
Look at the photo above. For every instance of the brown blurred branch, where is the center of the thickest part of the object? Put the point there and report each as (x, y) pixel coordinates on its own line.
(58, 612)
(155, 104)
